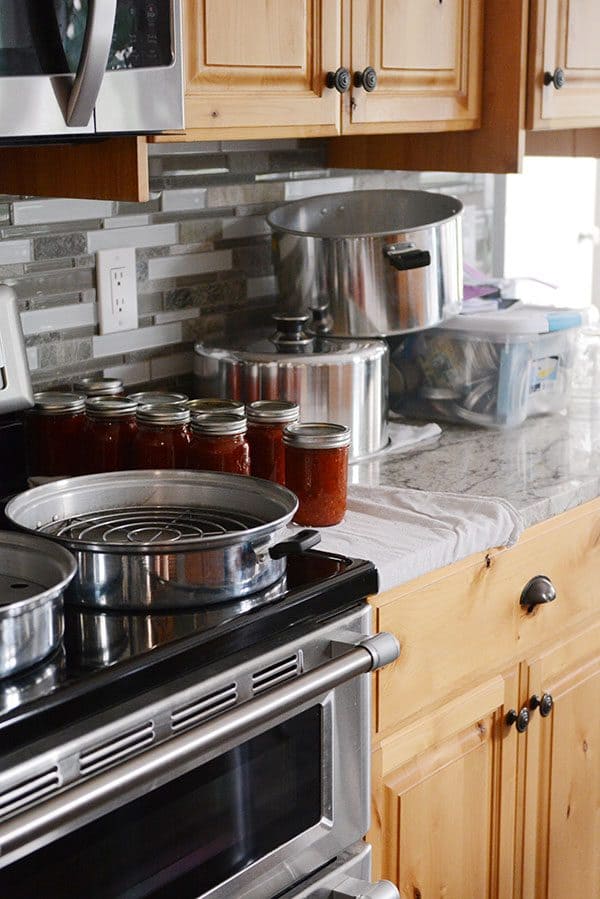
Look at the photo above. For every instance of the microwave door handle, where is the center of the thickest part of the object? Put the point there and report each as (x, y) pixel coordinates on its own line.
(156, 766)
(92, 64)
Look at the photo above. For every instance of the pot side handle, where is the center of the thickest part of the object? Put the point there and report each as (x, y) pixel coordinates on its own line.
(297, 544)
(405, 256)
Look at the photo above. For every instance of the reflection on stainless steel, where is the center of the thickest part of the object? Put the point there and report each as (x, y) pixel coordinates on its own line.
(382, 262)
(37, 681)
(341, 381)
(98, 639)
(348, 877)
(33, 576)
(138, 545)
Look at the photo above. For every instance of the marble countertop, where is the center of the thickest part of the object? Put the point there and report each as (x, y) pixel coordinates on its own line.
(546, 466)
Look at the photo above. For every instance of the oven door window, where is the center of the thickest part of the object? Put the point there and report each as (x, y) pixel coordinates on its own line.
(190, 835)
(45, 37)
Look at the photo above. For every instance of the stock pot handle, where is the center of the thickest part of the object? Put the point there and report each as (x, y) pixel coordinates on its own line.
(296, 545)
(404, 256)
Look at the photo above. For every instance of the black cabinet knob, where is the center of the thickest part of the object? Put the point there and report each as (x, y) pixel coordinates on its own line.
(340, 80)
(519, 719)
(367, 79)
(538, 591)
(557, 78)
(545, 704)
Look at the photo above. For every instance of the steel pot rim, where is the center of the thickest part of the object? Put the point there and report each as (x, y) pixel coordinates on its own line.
(58, 554)
(353, 196)
(22, 503)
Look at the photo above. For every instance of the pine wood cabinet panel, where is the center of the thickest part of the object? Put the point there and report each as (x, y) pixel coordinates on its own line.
(427, 55)
(253, 65)
(445, 815)
(562, 792)
(565, 34)
(466, 620)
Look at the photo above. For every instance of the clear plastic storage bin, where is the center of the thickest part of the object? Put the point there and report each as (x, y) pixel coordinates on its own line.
(492, 369)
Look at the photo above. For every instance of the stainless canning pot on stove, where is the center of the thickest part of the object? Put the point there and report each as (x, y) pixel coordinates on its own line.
(165, 539)
(382, 262)
(341, 381)
(33, 577)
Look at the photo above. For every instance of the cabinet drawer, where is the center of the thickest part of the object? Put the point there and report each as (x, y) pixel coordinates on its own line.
(466, 620)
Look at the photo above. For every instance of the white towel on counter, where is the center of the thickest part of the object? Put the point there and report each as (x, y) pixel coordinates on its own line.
(407, 533)
(403, 437)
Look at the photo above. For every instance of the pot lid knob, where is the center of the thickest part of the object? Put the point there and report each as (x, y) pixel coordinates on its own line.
(290, 335)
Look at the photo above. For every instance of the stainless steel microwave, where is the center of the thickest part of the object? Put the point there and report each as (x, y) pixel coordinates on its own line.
(82, 67)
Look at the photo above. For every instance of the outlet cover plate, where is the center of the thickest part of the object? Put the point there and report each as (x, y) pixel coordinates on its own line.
(116, 284)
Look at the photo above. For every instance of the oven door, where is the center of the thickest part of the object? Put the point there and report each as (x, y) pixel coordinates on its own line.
(75, 67)
(245, 805)
(347, 877)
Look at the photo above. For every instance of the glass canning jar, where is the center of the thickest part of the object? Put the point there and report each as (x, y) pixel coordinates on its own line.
(54, 429)
(218, 443)
(157, 398)
(214, 404)
(316, 470)
(99, 386)
(108, 433)
(162, 439)
(266, 422)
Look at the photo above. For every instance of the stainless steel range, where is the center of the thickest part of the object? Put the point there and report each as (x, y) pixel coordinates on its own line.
(217, 752)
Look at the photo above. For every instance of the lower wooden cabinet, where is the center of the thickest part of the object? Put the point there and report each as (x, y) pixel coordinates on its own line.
(468, 802)
(445, 815)
(562, 782)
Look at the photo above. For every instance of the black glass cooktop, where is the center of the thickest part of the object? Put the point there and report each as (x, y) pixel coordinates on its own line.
(107, 657)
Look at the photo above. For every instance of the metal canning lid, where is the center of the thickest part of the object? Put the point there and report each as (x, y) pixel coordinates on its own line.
(219, 424)
(157, 398)
(272, 411)
(99, 386)
(317, 435)
(49, 403)
(164, 414)
(214, 404)
(109, 407)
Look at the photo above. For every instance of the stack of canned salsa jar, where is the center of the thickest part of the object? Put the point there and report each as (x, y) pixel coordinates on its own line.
(99, 429)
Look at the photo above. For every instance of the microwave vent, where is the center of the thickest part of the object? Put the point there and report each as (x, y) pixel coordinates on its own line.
(28, 791)
(276, 673)
(120, 747)
(202, 709)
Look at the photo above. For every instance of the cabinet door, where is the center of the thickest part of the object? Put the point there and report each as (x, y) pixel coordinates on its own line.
(444, 799)
(562, 789)
(565, 37)
(427, 56)
(258, 67)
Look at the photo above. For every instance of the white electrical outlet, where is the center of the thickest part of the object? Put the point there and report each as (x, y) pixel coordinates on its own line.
(116, 284)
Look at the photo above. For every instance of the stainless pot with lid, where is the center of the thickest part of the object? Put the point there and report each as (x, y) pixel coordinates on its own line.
(341, 381)
(380, 262)
(165, 540)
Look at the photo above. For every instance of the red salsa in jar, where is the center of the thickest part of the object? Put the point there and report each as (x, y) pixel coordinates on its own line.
(316, 470)
(266, 422)
(218, 443)
(54, 429)
(162, 439)
(108, 433)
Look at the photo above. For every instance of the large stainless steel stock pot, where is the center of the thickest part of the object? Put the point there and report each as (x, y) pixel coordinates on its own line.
(383, 261)
(342, 381)
(165, 539)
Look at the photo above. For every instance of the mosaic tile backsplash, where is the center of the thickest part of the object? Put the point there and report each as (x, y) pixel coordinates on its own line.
(202, 249)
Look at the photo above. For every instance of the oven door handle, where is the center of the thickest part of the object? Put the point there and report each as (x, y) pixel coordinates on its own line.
(121, 784)
(351, 888)
(92, 64)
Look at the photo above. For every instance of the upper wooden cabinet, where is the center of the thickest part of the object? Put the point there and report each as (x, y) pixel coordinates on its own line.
(564, 64)
(427, 58)
(258, 67)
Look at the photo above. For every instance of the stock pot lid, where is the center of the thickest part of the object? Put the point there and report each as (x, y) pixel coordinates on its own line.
(260, 348)
(364, 213)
